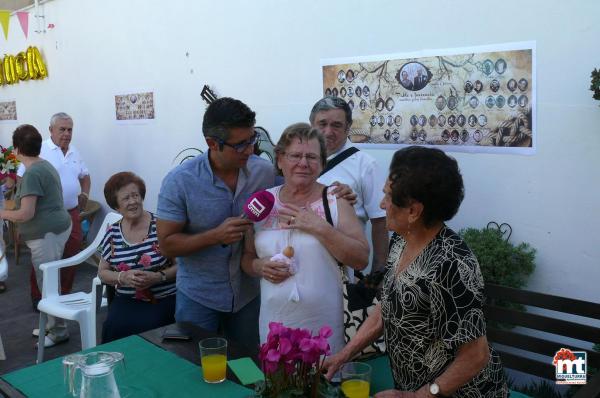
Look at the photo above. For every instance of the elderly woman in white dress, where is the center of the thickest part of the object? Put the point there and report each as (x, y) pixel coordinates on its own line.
(301, 286)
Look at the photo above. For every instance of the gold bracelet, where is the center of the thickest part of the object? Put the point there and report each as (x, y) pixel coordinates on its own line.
(85, 194)
(119, 278)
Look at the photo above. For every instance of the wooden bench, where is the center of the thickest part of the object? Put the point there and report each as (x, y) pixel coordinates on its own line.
(552, 323)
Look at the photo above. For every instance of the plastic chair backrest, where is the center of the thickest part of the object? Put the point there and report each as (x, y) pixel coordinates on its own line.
(50, 282)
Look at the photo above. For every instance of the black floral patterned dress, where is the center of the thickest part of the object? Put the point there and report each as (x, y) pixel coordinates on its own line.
(432, 308)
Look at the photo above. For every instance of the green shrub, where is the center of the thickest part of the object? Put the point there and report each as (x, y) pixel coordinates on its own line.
(501, 262)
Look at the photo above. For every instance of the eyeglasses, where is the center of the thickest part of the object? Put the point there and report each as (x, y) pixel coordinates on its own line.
(241, 147)
(296, 157)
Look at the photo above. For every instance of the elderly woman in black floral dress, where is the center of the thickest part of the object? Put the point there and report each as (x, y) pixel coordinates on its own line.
(431, 306)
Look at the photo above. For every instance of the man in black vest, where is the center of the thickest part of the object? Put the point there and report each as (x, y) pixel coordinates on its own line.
(348, 165)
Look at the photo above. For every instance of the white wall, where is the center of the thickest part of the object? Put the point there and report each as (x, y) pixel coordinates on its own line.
(267, 54)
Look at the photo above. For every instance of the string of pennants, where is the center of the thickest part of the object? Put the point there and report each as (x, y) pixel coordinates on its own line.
(23, 17)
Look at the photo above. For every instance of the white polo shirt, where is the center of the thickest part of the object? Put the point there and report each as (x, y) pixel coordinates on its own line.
(70, 168)
(361, 172)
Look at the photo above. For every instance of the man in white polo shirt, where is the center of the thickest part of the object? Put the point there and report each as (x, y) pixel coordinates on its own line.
(75, 181)
(346, 164)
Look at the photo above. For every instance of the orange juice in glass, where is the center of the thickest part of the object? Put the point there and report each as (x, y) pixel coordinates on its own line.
(356, 377)
(213, 357)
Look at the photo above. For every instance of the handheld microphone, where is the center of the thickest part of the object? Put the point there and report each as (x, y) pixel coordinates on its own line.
(259, 206)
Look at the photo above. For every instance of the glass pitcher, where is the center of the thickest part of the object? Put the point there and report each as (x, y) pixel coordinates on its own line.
(95, 374)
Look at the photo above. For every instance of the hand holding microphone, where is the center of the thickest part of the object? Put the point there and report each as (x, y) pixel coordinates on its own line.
(257, 208)
(232, 230)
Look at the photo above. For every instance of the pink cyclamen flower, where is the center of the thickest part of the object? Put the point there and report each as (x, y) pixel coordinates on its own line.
(123, 267)
(276, 328)
(296, 335)
(273, 356)
(145, 260)
(325, 331)
(323, 346)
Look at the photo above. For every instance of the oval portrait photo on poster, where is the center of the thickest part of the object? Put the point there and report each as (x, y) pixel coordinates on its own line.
(413, 76)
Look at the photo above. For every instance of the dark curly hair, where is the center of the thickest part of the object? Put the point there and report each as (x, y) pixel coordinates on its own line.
(430, 177)
(225, 113)
(118, 181)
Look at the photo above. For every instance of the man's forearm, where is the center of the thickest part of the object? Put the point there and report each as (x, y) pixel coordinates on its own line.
(86, 184)
(183, 244)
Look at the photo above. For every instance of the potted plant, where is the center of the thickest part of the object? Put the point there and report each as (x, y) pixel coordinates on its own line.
(292, 360)
(501, 262)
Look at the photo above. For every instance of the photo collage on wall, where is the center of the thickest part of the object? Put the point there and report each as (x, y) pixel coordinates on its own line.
(8, 111)
(134, 106)
(466, 100)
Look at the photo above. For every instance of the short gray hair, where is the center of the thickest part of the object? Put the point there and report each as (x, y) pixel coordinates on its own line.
(329, 103)
(59, 116)
(303, 132)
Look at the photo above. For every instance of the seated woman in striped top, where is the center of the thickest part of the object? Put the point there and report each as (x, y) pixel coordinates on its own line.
(132, 262)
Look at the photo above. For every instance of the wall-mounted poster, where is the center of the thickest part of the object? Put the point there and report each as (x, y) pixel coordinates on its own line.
(477, 99)
(135, 106)
(8, 111)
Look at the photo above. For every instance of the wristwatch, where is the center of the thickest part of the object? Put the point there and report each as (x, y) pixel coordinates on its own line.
(434, 389)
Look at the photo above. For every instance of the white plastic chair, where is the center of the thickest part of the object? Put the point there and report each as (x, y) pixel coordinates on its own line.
(3, 275)
(79, 306)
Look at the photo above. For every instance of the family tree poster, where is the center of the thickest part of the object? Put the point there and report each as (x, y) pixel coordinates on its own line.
(476, 99)
(135, 106)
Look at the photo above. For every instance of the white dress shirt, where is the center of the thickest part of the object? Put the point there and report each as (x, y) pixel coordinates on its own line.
(70, 168)
(361, 172)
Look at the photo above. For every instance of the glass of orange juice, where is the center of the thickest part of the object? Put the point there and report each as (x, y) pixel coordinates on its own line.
(213, 357)
(356, 378)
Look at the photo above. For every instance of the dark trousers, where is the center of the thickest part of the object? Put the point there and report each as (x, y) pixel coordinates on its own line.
(127, 316)
(72, 247)
(241, 326)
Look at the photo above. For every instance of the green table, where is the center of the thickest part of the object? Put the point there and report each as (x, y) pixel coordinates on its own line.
(151, 372)
(381, 374)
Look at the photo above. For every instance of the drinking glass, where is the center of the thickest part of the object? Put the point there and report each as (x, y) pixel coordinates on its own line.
(213, 357)
(356, 378)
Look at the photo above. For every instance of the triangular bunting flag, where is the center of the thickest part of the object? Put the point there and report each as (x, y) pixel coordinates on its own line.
(4, 20)
(24, 21)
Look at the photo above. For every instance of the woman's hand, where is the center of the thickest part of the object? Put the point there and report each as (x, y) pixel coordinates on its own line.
(146, 279)
(138, 279)
(333, 363)
(302, 218)
(272, 271)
